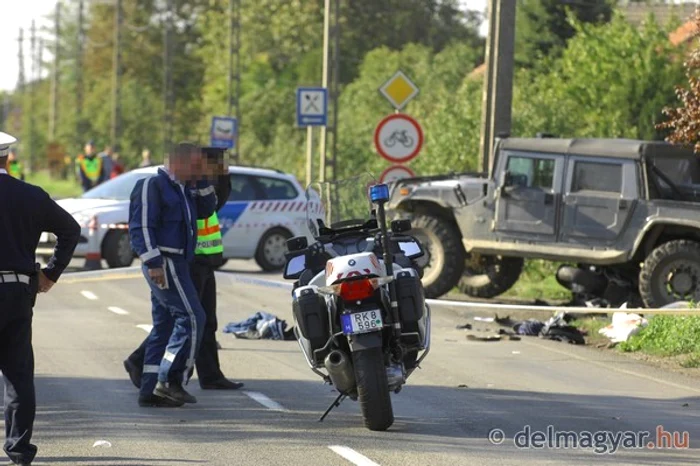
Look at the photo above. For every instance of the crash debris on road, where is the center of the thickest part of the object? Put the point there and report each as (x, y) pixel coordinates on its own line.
(556, 328)
(261, 326)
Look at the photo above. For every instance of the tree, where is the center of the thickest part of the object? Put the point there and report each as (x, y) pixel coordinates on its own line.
(684, 121)
(544, 26)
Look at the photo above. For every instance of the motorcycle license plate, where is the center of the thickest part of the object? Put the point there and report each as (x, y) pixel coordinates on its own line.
(362, 322)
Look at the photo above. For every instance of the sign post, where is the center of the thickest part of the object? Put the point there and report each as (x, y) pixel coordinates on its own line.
(224, 132)
(312, 110)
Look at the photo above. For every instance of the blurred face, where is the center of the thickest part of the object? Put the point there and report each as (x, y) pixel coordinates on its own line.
(186, 167)
(212, 168)
(89, 149)
(11, 157)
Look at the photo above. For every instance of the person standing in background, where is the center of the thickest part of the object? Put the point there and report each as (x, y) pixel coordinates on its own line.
(106, 157)
(117, 166)
(14, 166)
(146, 159)
(89, 168)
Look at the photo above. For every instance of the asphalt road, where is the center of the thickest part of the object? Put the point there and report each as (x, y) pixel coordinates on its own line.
(83, 331)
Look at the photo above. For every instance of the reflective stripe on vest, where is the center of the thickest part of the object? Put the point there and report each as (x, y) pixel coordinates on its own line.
(92, 168)
(209, 237)
(15, 169)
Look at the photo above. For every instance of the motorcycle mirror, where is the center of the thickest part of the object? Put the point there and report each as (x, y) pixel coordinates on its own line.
(401, 226)
(297, 243)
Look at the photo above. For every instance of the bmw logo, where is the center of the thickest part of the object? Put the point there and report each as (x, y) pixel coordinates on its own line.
(352, 262)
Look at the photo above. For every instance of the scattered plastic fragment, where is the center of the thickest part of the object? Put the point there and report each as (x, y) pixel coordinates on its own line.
(101, 443)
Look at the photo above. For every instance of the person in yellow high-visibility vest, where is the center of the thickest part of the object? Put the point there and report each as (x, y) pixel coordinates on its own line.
(14, 166)
(208, 257)
(89, 167)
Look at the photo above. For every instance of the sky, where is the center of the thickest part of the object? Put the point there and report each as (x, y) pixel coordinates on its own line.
(18, 14)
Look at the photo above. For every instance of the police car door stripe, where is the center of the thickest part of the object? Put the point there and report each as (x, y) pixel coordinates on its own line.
(193, 321)
(150, 251)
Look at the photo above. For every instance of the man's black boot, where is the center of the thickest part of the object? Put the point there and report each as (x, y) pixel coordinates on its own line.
(154, 401)
(174, 392)
(134, 372)
(221, 384)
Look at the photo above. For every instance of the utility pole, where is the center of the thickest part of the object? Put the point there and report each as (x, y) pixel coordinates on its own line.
(234, 69)
(329, 81)
(498, 79)
(167, 79)
(20, 57)
(53, 110)
(335, 87)
(116, 74)
(79, 75)
(324, 84)
(32, 93)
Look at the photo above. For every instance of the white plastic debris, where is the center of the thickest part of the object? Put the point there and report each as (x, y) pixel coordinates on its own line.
(484, 319)
(102, 443)
(623, 326)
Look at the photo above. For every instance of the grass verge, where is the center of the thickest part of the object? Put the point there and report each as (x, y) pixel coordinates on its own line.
(538, 281)
(55, 187)
(669, 336)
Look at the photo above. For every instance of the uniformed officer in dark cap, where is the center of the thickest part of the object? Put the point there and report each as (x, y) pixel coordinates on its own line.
(25, 212)
(208, 257)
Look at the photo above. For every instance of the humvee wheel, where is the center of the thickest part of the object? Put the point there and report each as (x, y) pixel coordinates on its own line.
(489, 276)
(443, 262)
(671, 273)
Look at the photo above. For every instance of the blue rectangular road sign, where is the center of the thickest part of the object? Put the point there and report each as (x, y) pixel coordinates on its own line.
(224, 132)
(312, 106)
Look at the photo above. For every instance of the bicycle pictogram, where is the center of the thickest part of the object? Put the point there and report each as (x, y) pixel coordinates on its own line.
(400, 136)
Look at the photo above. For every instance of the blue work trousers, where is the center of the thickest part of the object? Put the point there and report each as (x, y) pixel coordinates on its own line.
(178, 324)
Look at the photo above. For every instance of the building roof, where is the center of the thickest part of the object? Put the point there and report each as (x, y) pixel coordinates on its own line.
(636, 13)
(613, 148)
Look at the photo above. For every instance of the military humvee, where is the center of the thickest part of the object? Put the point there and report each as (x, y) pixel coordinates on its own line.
(629, 209)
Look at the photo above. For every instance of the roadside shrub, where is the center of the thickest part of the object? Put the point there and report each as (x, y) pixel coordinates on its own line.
(667, 336)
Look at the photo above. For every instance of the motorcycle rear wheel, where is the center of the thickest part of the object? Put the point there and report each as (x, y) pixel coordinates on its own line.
(373, 389)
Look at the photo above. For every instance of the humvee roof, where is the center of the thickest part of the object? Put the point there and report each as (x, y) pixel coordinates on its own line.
(618, 148)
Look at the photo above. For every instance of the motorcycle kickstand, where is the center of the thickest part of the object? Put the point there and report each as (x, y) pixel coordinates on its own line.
(335, 403)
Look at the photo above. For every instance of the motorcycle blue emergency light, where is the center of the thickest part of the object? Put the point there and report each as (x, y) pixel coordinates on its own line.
(379, 192)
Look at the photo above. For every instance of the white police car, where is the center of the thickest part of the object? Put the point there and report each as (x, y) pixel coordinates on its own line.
(265, 208)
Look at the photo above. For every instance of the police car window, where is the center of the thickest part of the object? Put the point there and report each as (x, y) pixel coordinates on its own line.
(274, 188)
(601, 177)
(242, 189)
(530, 172)
(118, 189)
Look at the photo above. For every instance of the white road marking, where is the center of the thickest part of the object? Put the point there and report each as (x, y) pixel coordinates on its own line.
(265, 401)
(89, 295)
(352, 456)
(118, 310)
(145, 327)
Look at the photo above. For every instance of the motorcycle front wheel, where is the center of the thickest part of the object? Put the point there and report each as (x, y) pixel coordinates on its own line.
(373, 389)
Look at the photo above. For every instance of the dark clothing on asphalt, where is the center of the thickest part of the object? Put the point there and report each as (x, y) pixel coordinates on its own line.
(25, 212)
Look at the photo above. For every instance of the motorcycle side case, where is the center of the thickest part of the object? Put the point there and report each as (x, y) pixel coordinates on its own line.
(412, 309)
(409, 295)
(311, 319)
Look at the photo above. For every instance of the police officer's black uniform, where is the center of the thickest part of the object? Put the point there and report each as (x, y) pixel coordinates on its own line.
(25, 212)
(202, 270)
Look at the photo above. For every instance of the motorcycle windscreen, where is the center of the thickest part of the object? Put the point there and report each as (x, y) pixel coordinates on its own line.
(339, 203)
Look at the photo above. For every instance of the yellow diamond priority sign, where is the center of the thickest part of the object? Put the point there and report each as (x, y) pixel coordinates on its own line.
(399, 90)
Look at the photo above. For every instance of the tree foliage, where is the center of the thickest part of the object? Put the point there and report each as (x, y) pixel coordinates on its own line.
(684, 121)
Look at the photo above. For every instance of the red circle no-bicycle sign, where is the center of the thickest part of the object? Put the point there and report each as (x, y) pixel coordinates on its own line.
(396, 173)
(398, 138)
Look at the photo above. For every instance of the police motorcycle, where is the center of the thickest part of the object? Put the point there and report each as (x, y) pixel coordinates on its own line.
(358, 303)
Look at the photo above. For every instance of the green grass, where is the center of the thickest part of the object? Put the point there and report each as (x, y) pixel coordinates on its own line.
(538, 281)
(592, 325)
(56, 188)
(667, 336)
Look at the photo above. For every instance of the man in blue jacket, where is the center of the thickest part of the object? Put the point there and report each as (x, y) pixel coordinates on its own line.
(163, 228)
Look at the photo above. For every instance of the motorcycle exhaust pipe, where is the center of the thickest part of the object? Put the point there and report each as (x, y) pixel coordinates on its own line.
(340, 371)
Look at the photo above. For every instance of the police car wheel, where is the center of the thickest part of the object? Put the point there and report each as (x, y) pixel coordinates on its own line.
(271, 250)
(116, 249)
